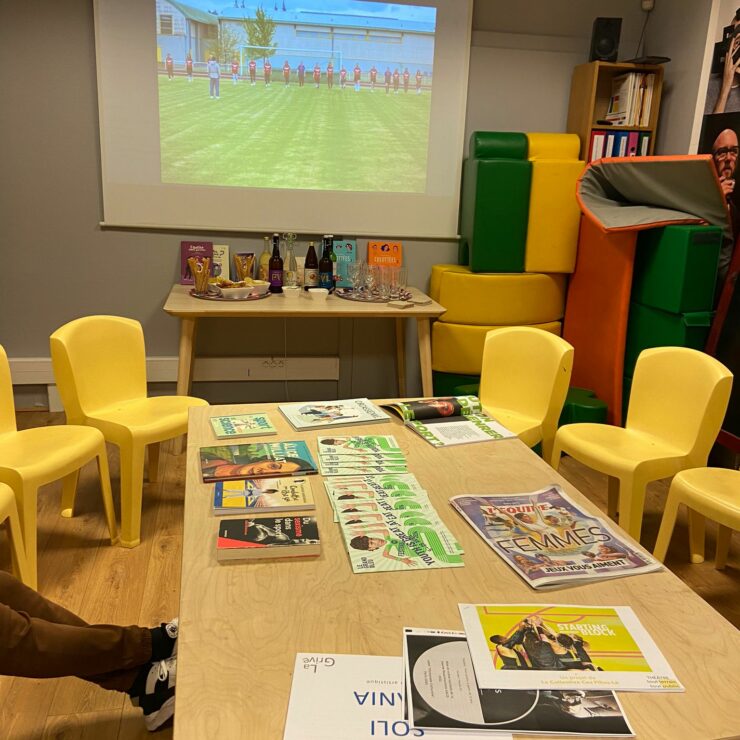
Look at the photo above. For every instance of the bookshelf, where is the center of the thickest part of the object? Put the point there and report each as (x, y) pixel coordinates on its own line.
(590, 92)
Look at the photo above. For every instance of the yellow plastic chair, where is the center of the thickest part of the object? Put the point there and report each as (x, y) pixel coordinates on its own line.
(9, 514)
(33, 457)
(678, 400)
(707, 492)
(100, 370)
(524, 381)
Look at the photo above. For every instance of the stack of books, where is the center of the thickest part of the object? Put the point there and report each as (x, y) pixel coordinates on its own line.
(631, 99)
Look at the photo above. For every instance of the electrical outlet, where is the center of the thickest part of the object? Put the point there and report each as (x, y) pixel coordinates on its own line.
(647, 5)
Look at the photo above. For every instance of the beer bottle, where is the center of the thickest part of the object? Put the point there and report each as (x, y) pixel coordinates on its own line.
(333, 258)
(311, 269)
(290, 274)
(326, 266)
(264, 263)
(276, 266)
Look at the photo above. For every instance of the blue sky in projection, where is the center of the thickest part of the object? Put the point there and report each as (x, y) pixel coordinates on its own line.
(353, 7)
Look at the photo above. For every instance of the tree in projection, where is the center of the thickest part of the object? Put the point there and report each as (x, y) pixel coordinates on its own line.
(260, 31)
(224, 46)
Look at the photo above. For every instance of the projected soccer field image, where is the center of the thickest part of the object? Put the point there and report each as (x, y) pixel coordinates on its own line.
(316, 94)
(293, 137)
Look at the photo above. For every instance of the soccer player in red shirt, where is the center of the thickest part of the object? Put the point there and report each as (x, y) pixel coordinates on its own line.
(286, 73)
(330, 75)
(316, 75)
(396, 80)
(267, 72)
(252, 71)
(234, 71)
(373, 78)
(169, 63)
(418, 81)
(387, 77)
(358, 75)
(189, 67)
(406, 80)
(342, 78)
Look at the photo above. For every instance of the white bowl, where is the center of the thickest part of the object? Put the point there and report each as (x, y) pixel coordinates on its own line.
(241, 292)
(318, 294)
(260, 287)
(290, 291)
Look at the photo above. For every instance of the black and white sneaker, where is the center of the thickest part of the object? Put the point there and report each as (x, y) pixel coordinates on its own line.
(158, 698)
(171, 628)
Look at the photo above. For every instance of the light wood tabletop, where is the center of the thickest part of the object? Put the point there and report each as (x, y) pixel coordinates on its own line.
(241, 624)
(189, 309)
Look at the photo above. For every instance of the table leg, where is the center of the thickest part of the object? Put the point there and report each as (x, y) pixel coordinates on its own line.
(401, 356)
(184, 369)
(424, 331)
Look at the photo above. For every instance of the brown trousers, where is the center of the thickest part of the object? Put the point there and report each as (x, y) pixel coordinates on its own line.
(40, 639)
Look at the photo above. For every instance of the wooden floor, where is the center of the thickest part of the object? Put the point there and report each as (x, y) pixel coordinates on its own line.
(80, 570)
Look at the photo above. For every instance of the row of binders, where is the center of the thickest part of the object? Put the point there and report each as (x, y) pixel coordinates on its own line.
(618, 144)
(631, 99)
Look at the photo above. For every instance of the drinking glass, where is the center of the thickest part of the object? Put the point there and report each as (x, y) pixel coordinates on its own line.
(354, 271)
(384, 282)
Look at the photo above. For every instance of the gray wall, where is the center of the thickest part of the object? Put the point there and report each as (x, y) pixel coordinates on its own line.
(62, 265)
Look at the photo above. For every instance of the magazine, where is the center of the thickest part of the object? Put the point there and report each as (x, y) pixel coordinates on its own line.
(549, 541)
(449, 420)
(350, 697)
(317, 415)
(242, 425)
(276, 494)
(435, 660)
(563, 647)
(257, 460)
(379, 444)
(362, 468)
(267, 537)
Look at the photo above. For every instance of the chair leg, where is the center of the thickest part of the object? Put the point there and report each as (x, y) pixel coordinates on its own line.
(69, 490)
(27, 505)
(666, 527)
(554, 457)
(153, 459)
(105, 489)
(132, 475)
(20, 563)
(631, 504)
(723, 546)
(697, 529)
(612, 497)
(548, 444)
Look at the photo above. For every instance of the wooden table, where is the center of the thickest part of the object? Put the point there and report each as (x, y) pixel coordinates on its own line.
(241, 624)
(188, 309)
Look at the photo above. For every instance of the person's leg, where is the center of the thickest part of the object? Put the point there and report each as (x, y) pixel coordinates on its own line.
(21, 598)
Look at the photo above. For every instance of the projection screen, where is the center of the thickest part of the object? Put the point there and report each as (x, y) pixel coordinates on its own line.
(315, 115)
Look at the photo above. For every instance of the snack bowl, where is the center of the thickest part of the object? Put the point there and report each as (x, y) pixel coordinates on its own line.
(318, 294)
(259, 287)
(237, 291)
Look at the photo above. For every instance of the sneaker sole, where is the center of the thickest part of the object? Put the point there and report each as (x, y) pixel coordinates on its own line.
(156, 719)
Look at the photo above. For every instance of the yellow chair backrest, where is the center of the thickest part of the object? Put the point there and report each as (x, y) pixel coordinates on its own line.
(527, 371)
(7, 404)
(97, 361)
(680, 395)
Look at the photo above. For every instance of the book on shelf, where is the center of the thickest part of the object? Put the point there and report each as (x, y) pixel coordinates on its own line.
(346, 252)
(199, 250)
(242, 425)
(597, 145)
(632, 141)
(435, 660)
(631, 99)
(267, 536)
(565, 647)
(385, 254)
(275, 494)
(220, 266)
(256, 460)
(550, 541)
(449, 420)
(322, 414)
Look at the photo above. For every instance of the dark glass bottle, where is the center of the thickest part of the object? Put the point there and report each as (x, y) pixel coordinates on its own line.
(326, 266)
(276, 266)
(333, 258)
(311, 268)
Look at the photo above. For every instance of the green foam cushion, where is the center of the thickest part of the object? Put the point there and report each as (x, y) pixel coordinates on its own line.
(676, 268)
(650, 327)
(498, 145)
(455, 384)
(582, 406)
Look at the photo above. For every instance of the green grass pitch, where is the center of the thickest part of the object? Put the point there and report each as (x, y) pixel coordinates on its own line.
(293, 137)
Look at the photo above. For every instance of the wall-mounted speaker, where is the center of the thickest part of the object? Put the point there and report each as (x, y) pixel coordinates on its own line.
(605, 39)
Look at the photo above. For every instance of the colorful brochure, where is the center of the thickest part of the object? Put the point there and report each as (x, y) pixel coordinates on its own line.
(242, 425)
(549, 541)
(366, 444)
(318, 415)
(435, 660)
(563, 647)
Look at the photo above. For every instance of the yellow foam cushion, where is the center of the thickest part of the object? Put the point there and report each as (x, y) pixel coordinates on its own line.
(554, 216)
(553, 146)
(458, 348)
(436, 279)
(503, 299)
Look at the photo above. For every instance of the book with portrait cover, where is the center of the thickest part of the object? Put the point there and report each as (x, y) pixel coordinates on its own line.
(320, 414)
(242, 425)
(385, 254)
(257, 460)
(199, 250)
(249, 496)
(220, 267)
(549, 540)
(268, 537)
(346, 252)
